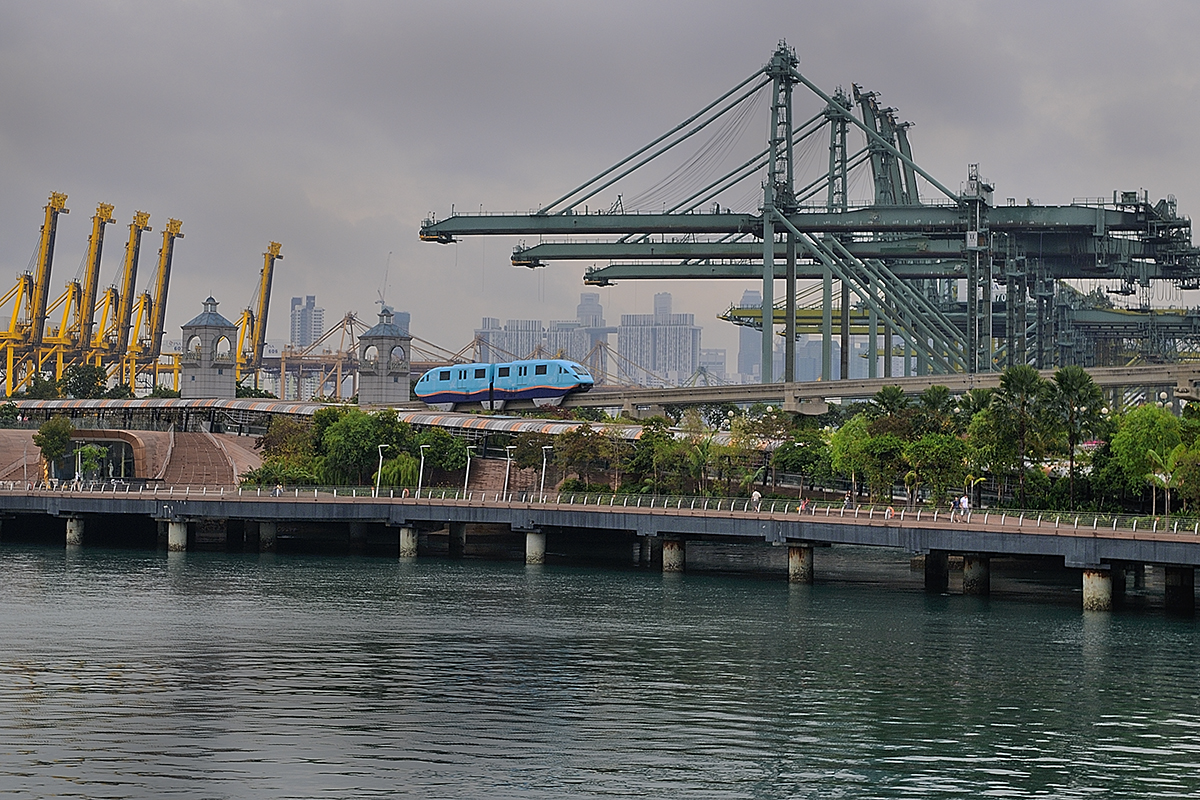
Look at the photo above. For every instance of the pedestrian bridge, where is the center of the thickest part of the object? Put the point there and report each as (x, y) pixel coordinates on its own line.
(1103, 546)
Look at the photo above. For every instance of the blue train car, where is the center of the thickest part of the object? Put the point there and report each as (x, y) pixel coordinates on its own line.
(542, 381)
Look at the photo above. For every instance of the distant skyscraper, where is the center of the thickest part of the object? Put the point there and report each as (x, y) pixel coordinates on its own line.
(713, 363)
(749, 363)
(308, 321)
(666, 344)
(526, 338)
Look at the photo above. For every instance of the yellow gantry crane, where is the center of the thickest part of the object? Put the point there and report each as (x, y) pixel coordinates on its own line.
(150, 314)
(252, 327)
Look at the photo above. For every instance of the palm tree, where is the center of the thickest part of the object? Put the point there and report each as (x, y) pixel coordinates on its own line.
(1078, 399)
(1020, 401)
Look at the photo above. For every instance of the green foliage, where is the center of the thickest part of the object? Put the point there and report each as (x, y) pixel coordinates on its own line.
(937, 461)
(54, 438)
(1143, 429)
(119, 392)
(806, 453)
(848, 456)
(250, 391)
(90, 456)
(350, 449)
(41, 388)
(164, 392)
(527, 452)
(882, 464)
(83, 382)
(8, 413)
(400, 471)
(443, 451)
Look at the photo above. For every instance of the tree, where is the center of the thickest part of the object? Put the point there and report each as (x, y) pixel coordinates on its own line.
(444, 450)
(579, 449)
(41, 388)
(350, 446)
(90, 457)
(1020, 403)
(1163, 473)
(938, 460)
(1143, 429)
(54, 439)
(847, 455)
(935, 411)
(1077, 402)
(806, 453)
(883, 460)
(165, 392)
(8, 413)
(83, 381)
(250, 391)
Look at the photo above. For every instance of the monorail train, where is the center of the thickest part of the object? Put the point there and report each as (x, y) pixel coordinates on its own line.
(544, 381)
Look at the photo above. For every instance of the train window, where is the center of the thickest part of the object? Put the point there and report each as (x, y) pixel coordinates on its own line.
(540, 369)
(444, 375)
(462, 373)
(480, 373)
(502, 372)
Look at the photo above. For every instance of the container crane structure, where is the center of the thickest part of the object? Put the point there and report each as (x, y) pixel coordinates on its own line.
(954, 280)
(252, 326)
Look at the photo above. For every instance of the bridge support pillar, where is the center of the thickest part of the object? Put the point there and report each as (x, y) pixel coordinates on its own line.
(408, 543)
(458, 539)
(267, 533)
(358, 538)
(937, 571)
(535, 547)
(673, 555)
(645, 551)
(800, 563)
(977, 574)
(1139, 576)
(1180, 590)
(176, 536)
(1097, 590)
(74, 531)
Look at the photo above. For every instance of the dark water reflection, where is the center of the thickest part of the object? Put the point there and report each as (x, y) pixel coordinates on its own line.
(206, 676)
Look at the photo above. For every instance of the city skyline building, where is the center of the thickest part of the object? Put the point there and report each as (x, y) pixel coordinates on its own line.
(664, 345)
(307, 321)
(749, 359)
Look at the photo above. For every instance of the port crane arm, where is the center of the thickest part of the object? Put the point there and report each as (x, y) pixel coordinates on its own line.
(45, 258)
(162, 280)
(141, 222)
(91, 280)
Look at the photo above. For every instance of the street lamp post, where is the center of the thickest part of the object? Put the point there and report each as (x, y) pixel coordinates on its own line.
(421, 470)
(542, 492)
(379, 472)
(507, 466)
(467, 476)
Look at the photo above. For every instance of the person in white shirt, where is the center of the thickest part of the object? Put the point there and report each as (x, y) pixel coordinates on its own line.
(964, 508)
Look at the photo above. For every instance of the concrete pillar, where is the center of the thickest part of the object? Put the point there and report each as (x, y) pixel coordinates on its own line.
(1118, 585)
(800, 563)
(645, 551)
(458, 539)
(267, 534)
(1180, 590)
(408, 543)
(673, 554)
(535, 547)
(74, 531)
(358, 538)
(977, 574)
(177, 536)
(1139, 576)
(937, 571)
(1097, 590)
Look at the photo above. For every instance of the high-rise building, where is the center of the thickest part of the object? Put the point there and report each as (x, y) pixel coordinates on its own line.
(575, 339)
(749, 361)
(712, 362)
(308, 321)
(664, 344)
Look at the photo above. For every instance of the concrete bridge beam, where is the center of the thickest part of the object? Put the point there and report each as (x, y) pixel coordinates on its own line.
(408, 543)
(977, 575)
(74, 531)
(458, 539)
(673, 555)
(937, 571)
(267, 535)
(177, 535)
(1179, 586)
(535, 547)
(800, 563)
(1097, 590)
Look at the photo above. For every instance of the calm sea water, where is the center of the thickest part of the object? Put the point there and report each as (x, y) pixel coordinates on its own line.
(128, 674)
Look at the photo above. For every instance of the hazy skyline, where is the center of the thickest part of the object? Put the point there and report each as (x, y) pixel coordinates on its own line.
(336, 128)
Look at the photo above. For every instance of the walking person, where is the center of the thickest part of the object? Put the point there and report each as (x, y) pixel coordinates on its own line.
(757, 499)
(964, 507)
(953, 508)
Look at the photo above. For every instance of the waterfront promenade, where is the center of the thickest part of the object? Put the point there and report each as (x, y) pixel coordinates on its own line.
(653, 530)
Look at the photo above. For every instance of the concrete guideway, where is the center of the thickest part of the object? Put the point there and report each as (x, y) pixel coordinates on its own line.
(1103, 546)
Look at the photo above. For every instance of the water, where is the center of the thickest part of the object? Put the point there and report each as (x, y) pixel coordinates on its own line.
(128, 674)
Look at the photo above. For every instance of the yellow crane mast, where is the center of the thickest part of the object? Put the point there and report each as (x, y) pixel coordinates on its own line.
(141, 222)
(45, 259)
(150, 314)
(91, 278)
(252, 327)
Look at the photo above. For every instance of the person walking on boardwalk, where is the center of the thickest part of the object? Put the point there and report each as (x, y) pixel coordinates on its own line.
(964, 507)
(953, 508)
(757, 498)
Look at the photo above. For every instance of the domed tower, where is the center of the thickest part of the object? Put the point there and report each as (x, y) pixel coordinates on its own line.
(383, 363)
(209, 367)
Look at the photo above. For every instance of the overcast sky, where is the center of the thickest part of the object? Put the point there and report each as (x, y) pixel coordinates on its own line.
(334, 128)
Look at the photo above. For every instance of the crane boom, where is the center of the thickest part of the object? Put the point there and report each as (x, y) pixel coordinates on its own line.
(41, 280)
(141, 222)
(91, 280)
(162, 279)
(264, 302)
